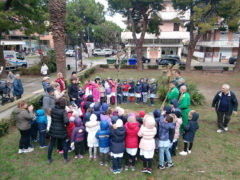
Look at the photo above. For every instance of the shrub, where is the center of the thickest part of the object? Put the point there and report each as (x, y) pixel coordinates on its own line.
(125, 66)
(4, 127)
(104, 66)
(152, 66)
(182, 67)
(35, 102)
(225, 68)
(162, 86)
(198, 67)
(13, 119)
(34, 70)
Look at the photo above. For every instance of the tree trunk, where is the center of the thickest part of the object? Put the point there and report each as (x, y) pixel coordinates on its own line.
(83, 42)
(57, 11)
(2, 60)
(237, 67)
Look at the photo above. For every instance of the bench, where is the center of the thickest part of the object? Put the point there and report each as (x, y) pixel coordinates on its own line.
(214, 68)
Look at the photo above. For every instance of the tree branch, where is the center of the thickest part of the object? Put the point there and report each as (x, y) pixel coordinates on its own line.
(133, 27)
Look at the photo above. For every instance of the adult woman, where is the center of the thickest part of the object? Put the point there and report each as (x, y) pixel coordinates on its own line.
(57, 91)
(24, 115)
(58, 129)
(60, 80)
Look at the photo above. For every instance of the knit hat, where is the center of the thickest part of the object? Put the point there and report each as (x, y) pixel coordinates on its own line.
(93, 117)
(178, 113)
(104, 107)
(168, 109)
(121, 111)
(114, 119)
(132, 115)
(71, 119)
(141, 114)
(131, 119)
(50, 89)
(119, 123)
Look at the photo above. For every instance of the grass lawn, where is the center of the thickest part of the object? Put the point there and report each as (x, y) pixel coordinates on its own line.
(95, 58)
(214, 156)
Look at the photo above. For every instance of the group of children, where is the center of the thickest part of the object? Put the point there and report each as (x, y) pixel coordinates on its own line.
(118, 134)
(105, 91)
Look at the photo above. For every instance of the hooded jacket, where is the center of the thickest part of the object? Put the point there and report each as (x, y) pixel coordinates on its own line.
(23, 119)
(78, 132)
(147, 132)
(175, 104)
(132, 134)
(173, 94)
(191, 128)
(70, 128)
(17, 87)
(45, 85)
(88, 102)
(157, 115)
(86, 117)
(132, 85)
(138, 88)
(153, 88)
(73, 91)
(105, 118)
(59, 122)
(119, 88)
(41, 117)
(96, 110)
(125, 87)
(177, 127)
(103, 135)
(48, 102)
(117, 139)
(164, 128)
(104, 107)
(145, 87)
(92, 127)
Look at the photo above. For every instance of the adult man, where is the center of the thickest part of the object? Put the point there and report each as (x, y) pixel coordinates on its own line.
(225, 103)
(17, 87)
(181, 82)
(184, 103)
(177, 77)
(173, 92)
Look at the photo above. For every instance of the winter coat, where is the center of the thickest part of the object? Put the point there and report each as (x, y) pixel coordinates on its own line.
(138, 88)
(171, 133)
(88, 102)
(184, 101)
(232, 102)
(10, 78)
(104, 107)
(131, 134)
(73, 91)
(157, 115)
(175, 104)
(103, 135)
(58, 94)
(96, 94)
(17, 87)
(125, 87)
(173, 94)
(191, 128)
(62, 83)
(70, 128)
(45, 85)
(59, 122)
(41, 117)
(147, 132)
(105, 118)
(78, 132)
(86, 117)
(92, 127)
(163, 131)
(153, 88)
(48, 102)
(117, 139)
(132, 85)
(96, 110)
(102, 91)
(23, 119)
(119, 89)
(145, 87)
(177, 128)
(108, 91)
(44, 69)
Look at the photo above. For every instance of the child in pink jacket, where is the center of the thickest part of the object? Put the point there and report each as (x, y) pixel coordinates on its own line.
(177, 133)
(147, 143)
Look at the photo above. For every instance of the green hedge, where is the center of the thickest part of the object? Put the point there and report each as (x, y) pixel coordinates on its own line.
(198, 67)
(104, 66)
(4, 127)
(34, 70)
(152, 66)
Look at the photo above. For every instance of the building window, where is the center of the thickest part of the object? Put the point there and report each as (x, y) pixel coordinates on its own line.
(176, 27)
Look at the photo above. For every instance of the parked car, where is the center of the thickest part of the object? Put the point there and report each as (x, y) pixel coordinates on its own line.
(172, 56)
(144, 59)
(98, 52)
(70, 53)
(108, 52)
(169, 61)
(13, 61)
(233, 60)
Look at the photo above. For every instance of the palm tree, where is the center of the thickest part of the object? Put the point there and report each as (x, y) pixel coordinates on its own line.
(57, 11)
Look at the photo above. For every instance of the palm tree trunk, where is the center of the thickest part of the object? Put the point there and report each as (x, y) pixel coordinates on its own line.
(237, 67)
(57, 11)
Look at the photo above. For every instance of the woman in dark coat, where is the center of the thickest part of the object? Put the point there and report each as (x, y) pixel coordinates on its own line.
(58, 128)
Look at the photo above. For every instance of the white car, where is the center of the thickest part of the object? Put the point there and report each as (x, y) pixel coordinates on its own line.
(98, 52)
(108, 52)
(70, 53)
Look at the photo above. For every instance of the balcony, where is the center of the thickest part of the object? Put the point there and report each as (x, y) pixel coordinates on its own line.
(220, 43)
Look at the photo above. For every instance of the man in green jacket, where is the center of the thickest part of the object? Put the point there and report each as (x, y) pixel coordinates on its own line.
(177, 77)
(184, 103)
(173, 93)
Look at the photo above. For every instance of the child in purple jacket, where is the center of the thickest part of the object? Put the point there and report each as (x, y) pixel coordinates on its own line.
(77, 138)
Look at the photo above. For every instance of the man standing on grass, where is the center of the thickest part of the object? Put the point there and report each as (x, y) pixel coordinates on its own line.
(184, 103)
(224, 103)
(173, 92)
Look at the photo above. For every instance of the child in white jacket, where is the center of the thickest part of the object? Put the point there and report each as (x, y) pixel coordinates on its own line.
(92, 127)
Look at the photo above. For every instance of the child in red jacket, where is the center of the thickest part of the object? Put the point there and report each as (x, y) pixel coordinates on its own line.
(125, 88)
(69, 131)
(132, 128)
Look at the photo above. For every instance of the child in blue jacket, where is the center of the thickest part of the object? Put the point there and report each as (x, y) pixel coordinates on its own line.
(41, 120)
(103, 136)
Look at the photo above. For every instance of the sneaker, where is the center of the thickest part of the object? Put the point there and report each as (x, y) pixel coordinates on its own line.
(60, 152)
(169, 165)
(101, 163)
(149, 171)
(81, 156)
(113, 171)
(144, 170)
(119, 171)
(50, 161)
(126, 168)
(76, 157)
(42, 147)
(69, 150)
(29, 150)
(66, 161)
(183, 153)
(161, 167)
(226, 129)
(20, 151)
(133, 168)
(189, 151)
(219, 131)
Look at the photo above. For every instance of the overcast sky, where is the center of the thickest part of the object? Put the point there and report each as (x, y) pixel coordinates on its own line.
(117, 18)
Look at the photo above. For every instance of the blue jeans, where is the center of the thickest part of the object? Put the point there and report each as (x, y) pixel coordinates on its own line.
(42, 138)
(116, 163)
(163, 150)
(119, 99)
(52, 143)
